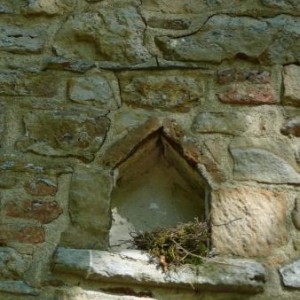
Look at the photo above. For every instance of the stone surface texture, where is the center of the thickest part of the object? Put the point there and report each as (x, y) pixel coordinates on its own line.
(247, 221)
(96, 95)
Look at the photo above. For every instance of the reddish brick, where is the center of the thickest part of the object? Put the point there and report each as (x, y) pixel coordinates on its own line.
(44, 212)
(21, 233)
(40, 187)
(248, 94)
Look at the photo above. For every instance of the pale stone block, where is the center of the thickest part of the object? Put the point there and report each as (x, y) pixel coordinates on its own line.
(248, 221)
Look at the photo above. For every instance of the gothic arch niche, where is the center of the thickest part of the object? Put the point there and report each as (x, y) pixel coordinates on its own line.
(159, 184)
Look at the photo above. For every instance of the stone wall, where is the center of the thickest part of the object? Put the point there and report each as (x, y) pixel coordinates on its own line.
(85, 86)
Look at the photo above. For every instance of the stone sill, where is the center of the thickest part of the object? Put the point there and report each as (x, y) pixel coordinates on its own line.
(234, 275)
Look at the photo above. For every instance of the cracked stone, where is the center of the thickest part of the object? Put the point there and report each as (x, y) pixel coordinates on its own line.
(291, 275)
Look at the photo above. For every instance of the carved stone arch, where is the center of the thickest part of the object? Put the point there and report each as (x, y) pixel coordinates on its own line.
(155, 142)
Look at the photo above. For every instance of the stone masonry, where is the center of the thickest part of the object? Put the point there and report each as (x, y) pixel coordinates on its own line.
(92, 92)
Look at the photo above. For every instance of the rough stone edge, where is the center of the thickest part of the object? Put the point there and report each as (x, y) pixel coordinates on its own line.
(235, 275)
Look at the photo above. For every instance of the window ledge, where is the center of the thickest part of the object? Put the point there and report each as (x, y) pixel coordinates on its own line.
(235, 275)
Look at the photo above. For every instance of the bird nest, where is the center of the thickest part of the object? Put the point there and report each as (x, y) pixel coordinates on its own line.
(186, 243)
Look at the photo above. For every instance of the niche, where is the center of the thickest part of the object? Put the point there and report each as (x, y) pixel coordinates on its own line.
(156, 187)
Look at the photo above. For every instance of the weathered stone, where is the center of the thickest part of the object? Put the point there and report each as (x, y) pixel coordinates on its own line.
(235, 275)
(89, 209)
(271, 41)
(75, 65)
(248, 221)
(48, 7)
(113, 34)
(7, 179)
(249, 94)
(172, 23)
(296, 214)
(292, 127)
(17, 288)
(22, 40)
(262, 166)
(21, 233)
(40, 187)
(12, 264)
(163, 90)
(291, 77)
(217, 122)
(282, 4)
(264, 160)
(43, 211)
(64, 133)
(2, 121)
(291, 275)
(231, 75)
(15, 83)
(97, 90)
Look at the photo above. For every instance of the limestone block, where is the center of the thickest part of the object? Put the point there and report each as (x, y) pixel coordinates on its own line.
(12, 264)
(291, 77)
(17, 83)
(43, 211)
(264, 160)
(235, 275)
(22, 39)
(63, 133)
(99, 90)
(166, 90)
(247, 221)
(48, 7)
(272, 40)
(292, 5)
(291, 275)
(110, 34)
(89, 209)
(217, 122)
(21, 233)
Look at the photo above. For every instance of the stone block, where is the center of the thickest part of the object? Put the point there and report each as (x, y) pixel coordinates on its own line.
(110, 34)
(48, 7)
(291, 77)
(2, 121)
(291, 275)
(164, 90)
(21, 233)
(264, 160)
(17, 288)
(64, 133)
(40, 187)
(89, 209)
(270, 40)
(7, 179)
(17, 83)
(234, 275)
(43, 211)
(217, 122)
(291, 127)
(98, 90)
(12, 264)
(248, 222)
(22, 39)
(248, 94)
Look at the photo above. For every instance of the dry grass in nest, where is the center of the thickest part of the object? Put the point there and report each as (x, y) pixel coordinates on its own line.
(185, 243)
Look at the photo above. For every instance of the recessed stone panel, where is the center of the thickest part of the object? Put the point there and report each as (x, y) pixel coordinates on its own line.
(248, 221)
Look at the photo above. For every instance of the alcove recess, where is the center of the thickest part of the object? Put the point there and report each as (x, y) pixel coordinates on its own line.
(158, 185)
